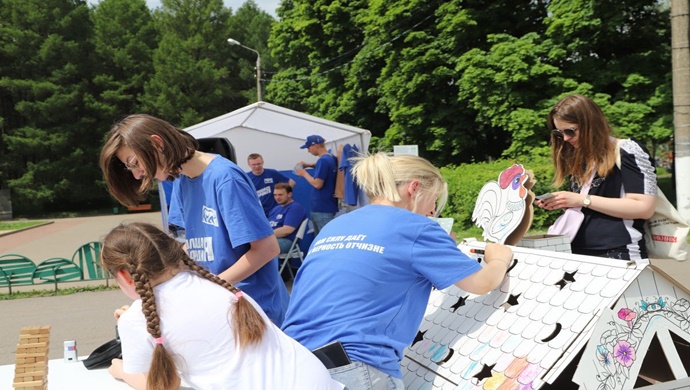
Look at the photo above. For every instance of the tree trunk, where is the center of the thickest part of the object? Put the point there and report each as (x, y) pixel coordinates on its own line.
(680, 43)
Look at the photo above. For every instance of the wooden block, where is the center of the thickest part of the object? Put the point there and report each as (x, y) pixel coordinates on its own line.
(30, 377)
(35, 330)
(36, 367)
(31, 362)
(30, 386)
(32, 348)
(37, 346)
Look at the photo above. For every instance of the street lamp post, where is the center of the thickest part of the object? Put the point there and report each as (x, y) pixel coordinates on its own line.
(258, 66)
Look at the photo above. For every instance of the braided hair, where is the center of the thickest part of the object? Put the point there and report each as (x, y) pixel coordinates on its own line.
(147, 252)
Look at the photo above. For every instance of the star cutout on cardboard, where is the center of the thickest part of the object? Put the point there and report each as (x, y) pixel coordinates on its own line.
(568, 277)
(512, 301)
(418, 337)
(458, 304)
(484, 373)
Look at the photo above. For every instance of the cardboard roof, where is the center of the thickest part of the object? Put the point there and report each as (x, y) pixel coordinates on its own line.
(525, 333)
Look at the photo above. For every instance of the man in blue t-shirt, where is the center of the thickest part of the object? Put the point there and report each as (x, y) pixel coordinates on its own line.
(286, 217)
(264, 180)
(323, 204)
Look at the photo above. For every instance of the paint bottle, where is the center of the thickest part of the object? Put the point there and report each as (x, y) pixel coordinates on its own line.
(71, 351)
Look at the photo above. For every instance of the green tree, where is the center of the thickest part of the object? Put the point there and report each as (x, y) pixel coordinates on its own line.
(251, 26)
(473, 80)
(424, 73)
(313, 45)
(190, 81)
(49, 143)
(124, 40)
(615, 52)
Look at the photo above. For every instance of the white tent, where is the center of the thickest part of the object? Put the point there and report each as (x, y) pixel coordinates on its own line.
(277, 134)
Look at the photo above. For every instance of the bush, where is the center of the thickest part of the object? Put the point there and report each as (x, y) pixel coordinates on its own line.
(466, 180)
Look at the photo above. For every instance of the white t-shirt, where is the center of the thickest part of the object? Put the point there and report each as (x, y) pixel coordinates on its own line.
(196, 324)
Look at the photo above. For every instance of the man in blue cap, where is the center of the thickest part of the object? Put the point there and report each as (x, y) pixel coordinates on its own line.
(323, 204)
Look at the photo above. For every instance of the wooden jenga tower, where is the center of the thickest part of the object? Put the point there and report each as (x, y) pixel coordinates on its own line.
(31, 367)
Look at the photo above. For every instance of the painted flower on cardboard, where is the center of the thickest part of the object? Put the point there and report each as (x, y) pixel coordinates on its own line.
(624, 353)
(627, 315)
(604, 357)
(617, 351)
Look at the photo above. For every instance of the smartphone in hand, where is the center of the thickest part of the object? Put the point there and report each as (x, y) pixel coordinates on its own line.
(544, 196)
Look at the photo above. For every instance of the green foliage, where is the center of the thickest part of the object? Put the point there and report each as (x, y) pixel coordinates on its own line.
(466, 180)
(473, 81)
(466, 81)
(251, 27)
(48, 143)
(69, 71)
(124, 39)
(187, 86)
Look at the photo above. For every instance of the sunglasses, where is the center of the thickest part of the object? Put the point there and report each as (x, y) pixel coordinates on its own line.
(560, 133)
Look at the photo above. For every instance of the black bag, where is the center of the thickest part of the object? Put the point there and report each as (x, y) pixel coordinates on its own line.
(103, 355)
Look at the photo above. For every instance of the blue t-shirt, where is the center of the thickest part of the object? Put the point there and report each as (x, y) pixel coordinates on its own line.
(264, 184)
(221, 215)
(366, 282)
(291, 215)
(322, 200)
(350, 191)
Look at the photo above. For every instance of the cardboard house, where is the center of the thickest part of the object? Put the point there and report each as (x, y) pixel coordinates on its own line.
(558, 321)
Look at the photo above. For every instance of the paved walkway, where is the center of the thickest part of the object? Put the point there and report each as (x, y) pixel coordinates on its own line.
(86, 317)
(63, 236)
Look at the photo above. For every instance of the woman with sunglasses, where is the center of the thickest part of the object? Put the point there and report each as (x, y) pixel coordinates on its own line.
(619, 199)
(213, 200)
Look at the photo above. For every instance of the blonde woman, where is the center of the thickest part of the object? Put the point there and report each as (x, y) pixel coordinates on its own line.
(367, 277)
(186, 323)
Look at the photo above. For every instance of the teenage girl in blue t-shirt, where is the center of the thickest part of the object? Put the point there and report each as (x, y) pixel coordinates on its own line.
(368, 275)
(214, 201)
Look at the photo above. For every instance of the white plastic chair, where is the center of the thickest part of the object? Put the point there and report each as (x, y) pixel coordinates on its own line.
(294, 252)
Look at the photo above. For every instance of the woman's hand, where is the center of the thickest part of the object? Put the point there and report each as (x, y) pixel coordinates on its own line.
(498, 259)
(561, 200)
(115, 368)
(120, 311)
(137, 381)
(497, 252)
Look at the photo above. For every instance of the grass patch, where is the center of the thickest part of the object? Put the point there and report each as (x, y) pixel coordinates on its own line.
(14, 225)
(50, 293)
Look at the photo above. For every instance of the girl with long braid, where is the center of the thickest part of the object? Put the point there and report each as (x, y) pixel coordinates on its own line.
(189, 325)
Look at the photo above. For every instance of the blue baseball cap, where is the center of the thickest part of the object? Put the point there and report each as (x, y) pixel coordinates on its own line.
(313, 140)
